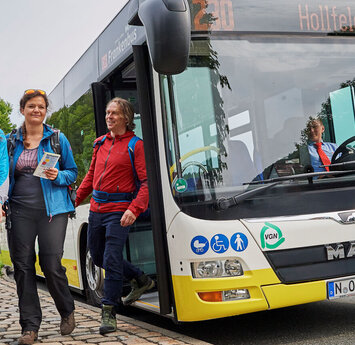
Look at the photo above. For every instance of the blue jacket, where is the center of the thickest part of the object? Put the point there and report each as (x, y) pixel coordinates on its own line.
(4, 168)
(55, 192)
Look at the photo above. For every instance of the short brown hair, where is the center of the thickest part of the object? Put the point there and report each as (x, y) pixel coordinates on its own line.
(127, 110)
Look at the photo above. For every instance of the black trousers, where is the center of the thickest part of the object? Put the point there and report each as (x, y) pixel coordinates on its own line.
(27, 225)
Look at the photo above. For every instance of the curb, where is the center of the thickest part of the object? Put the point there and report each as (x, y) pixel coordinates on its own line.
(175, 338)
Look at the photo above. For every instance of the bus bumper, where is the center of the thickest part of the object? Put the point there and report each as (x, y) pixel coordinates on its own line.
(265, 292)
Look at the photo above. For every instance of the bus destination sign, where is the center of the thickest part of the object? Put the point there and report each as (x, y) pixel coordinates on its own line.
(310, 16)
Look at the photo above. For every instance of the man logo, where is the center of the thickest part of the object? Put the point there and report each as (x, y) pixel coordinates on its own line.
(339, 251)
(347, 217)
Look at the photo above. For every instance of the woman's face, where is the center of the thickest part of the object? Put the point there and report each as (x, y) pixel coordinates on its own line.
(35, 110)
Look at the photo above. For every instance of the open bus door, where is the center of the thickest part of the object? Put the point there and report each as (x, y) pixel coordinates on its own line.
(147, 244)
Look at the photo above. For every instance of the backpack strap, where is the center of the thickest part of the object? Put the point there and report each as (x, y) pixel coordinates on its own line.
(131, 148)
(11, 143)
(55, 142)
(99, 143)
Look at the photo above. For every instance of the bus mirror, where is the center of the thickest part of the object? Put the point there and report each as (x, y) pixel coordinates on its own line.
(168, 31)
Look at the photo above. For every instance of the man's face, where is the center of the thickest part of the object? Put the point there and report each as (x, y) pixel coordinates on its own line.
(115, 120)
(315, 131)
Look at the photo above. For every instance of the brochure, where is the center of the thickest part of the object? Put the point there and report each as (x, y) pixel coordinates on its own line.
(49, 160)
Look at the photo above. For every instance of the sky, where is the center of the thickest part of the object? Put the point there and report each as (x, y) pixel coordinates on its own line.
(40, 40)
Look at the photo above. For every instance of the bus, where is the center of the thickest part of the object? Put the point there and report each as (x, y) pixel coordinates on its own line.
(225, 94)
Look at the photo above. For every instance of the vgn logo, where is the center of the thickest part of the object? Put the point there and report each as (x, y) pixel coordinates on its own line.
(271, 236)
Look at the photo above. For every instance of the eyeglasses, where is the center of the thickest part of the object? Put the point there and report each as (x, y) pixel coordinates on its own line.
(30, 91)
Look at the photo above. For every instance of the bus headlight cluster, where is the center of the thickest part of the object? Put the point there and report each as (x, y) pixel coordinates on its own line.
(217, 268)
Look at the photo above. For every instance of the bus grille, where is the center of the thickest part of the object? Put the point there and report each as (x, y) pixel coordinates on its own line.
(310, 263)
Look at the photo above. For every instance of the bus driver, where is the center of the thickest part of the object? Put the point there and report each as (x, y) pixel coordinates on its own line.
(320, 152)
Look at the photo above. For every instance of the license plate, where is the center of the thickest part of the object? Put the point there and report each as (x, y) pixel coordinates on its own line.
(341, 288)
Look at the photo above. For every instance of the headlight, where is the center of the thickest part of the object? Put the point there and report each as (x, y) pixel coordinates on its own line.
(217, 268)
(233, 268)
(208, 269)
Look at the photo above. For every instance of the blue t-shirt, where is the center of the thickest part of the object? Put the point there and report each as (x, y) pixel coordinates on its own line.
(328, 149)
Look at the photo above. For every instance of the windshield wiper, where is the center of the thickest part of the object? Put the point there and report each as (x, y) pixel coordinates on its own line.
(338, 164)
(224, 203)
(308, 176)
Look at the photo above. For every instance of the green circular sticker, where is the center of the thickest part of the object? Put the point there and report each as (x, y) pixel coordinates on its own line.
(180, 185)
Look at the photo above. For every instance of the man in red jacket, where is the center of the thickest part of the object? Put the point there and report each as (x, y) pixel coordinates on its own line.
(114, 207)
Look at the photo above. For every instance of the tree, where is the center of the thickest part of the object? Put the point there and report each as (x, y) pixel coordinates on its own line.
(5, 111)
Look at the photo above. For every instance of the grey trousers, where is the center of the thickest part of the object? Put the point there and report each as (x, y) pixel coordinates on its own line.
(27, 225)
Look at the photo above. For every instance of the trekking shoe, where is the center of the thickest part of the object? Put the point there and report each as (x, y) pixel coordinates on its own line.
(67, 324)
(28, 338)
(139, 286)
(108, 319)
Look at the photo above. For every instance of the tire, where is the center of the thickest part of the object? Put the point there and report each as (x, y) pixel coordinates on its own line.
(93, 278)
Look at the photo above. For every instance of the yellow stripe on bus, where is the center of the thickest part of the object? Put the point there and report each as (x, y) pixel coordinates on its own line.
(282, 295)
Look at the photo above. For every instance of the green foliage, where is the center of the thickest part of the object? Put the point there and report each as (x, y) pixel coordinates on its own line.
(77, 122)
(5, 111)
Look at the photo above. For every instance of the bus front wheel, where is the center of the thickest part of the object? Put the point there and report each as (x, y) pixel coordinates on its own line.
(94, 281)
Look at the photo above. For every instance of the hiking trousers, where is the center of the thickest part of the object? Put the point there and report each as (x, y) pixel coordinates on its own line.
(27, 225)
(106, 240)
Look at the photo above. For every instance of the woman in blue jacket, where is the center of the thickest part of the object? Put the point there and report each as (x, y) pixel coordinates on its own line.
(39, 208)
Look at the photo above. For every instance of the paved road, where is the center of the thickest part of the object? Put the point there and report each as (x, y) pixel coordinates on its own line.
(130, 331)
(325, 323)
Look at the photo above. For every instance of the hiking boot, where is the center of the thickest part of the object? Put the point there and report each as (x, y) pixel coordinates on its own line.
(108, 319)
(28, 338)
(67, 324)
(139, 286)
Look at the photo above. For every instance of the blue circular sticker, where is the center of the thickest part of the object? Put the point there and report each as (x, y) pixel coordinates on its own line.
(239, 242)
(199, 245)
(219, 243)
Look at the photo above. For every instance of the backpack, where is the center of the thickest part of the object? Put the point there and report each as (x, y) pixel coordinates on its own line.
(55, 144)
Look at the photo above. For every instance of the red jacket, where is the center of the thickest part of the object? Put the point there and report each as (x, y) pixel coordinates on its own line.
(111, 171)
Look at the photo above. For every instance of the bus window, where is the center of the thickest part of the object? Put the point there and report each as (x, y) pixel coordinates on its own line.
(78, 124)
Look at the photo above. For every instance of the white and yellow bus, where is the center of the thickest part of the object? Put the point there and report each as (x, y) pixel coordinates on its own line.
(240, 219)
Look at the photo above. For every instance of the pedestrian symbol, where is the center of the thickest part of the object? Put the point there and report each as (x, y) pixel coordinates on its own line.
(239, 242)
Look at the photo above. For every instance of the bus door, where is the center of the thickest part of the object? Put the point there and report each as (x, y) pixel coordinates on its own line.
(146, 244)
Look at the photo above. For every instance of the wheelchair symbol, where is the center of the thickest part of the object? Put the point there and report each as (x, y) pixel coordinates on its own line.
(219, 243)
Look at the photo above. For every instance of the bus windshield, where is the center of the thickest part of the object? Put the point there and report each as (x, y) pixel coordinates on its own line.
(252, 107)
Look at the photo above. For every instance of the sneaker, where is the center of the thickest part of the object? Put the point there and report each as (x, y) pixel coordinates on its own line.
(67, 324)
(108, 319)
(139, 286)
(28, 338)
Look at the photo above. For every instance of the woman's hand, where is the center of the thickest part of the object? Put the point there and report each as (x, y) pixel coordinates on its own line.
(51, 173)
(128, 218)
